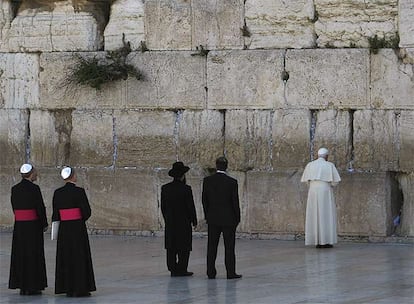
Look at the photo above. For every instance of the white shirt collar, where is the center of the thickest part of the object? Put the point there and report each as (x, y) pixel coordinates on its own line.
(219, 171)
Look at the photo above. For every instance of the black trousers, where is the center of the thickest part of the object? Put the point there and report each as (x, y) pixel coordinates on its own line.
(229, 236)
(177, 260)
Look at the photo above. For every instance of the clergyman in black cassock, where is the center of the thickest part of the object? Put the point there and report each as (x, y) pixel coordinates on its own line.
(220, 200)
(178, 210)
(27, 266)
(74, 271)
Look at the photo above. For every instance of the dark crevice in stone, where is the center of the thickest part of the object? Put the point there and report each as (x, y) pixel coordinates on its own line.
(312, 130)
(395, 206)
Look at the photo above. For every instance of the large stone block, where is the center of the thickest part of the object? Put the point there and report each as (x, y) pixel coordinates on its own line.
(217, 24)
(57, 92)
(92, 139)
(50, 133)
(333, 77)
(172, 80)
(13, 137)
(406, 24)
(6, 17)
(248, 139)
(291, 139)
(406, 182)
(123, 199)
(127, 17)
(200, 138)
(19, 80)
(375, 140)
(145, 138)
(276, 202)
(345, 23)
(168, 24)
(392, 81)
(245, 79)
(363, 204)
(280, 24)
(406, 141)
(333, 131)
(47, 26)
(8, 178)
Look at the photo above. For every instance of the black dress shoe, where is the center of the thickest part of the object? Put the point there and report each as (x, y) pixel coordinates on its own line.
(30, 292)
(328, 246)
(234, 276)
(211, 277)
(182, 274)
(319, 246)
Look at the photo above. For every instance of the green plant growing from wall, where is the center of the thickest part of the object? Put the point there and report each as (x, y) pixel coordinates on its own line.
(95, 72)
(376, 43)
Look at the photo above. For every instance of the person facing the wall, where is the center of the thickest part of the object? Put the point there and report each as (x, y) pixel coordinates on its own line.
(178, 210)
(322, 176)
(27, 265)
(74, 271)
(220, 200)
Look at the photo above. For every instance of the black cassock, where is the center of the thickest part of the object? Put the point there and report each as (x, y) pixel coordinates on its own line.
(27, 266)
(74, 271)
(177, 206)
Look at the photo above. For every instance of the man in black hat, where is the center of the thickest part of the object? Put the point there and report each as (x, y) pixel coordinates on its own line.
(222, 212)
(178, 210)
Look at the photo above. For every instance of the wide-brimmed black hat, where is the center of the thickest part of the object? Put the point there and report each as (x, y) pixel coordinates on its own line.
(178, 169)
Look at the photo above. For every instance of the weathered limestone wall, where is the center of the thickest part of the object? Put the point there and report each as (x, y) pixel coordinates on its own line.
(282, 78)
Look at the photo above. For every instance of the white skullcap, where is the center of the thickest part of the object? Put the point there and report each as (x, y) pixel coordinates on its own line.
(323, 152)
(66, 172)
(26, 168)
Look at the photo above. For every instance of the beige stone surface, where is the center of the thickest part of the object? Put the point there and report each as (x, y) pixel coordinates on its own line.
(362, 204)
(8, 178)
(245, 79)
(200, 138)
(13, 137)
(127, 17)
(392, 81)
(92, 138)
(406, 141)
(145, 139)
(6, 17)
(172, 80)
(375, 140)
(123, 199)
(168, 24)
(57, 93)
(406, 24)
(322, 78)
(241, 178)
(407, 218)
(333, 131)
(50, 133)
(217, 24)
(276, 201)
(247, 139)
(46, 25)
(19, 80)
(290, 139)
(344, 22)
(280, 24)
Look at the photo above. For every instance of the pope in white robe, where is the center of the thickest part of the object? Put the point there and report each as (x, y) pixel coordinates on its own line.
(322, 176)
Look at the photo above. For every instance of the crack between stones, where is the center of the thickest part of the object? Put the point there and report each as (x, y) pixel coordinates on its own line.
(312, 131)
(28, 144)
(114, 141)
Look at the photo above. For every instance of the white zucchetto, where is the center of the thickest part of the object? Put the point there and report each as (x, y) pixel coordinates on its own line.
(26, 168)
(323, 152)
(66, 172)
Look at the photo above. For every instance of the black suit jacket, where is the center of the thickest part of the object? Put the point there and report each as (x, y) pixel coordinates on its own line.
(221, 200)
(178, 210)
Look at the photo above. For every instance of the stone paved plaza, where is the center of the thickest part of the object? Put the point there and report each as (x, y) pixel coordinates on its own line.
(132, 270)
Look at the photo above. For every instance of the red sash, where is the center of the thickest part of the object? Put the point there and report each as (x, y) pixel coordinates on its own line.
(71, 214)
(25, 215)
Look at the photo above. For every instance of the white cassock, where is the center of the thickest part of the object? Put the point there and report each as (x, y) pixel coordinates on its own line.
(320, 227)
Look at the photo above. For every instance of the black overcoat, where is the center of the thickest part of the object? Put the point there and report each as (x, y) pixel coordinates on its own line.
(27, 265)
(220, 200)
(178, 210)
(74, 271)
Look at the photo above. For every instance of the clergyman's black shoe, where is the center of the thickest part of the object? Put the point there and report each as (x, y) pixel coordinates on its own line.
(212, 277)
(30, 292)
(234, 276)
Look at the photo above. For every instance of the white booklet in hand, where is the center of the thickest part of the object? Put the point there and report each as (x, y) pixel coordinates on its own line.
(55, 229)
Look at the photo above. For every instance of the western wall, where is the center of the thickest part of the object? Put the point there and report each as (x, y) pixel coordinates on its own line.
(264, 82)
